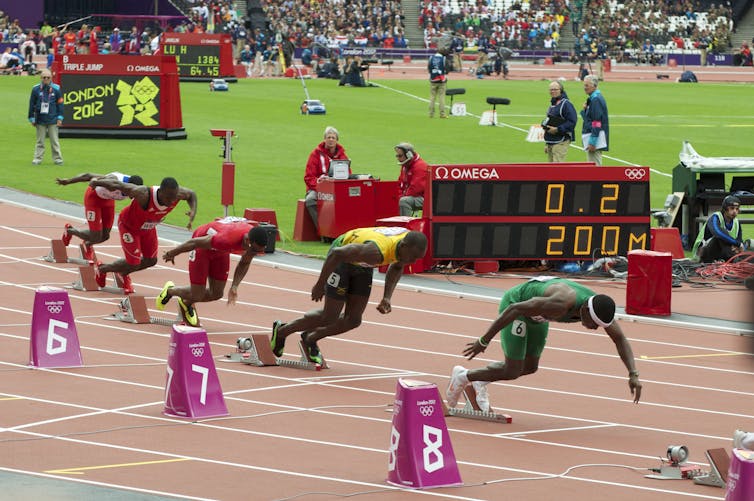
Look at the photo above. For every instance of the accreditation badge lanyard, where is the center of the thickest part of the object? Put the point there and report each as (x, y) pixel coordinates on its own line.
(44, 106)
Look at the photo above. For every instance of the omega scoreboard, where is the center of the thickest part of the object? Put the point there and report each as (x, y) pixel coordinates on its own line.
(538, 211)
(200, 56)
(120, 96)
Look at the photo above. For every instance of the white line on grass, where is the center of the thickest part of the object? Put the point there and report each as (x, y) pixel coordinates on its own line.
(524, 131)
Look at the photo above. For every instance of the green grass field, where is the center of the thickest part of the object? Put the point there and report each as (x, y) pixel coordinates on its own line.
(648, 123)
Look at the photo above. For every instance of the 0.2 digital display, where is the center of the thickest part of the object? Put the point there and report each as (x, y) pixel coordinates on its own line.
(538, 198)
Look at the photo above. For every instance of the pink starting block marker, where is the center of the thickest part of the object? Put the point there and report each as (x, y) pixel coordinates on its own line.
(54, 341)
(421, 455)
(192, 388)
(740, 486)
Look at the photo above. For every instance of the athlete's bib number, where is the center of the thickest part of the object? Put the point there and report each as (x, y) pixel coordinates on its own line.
(518, 328)
(333, 280)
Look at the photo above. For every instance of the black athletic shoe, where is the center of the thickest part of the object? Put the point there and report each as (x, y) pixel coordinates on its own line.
(312, 350)
(277, 343)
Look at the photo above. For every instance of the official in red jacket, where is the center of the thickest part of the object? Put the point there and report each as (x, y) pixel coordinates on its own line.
(318, 166)
(413, 179)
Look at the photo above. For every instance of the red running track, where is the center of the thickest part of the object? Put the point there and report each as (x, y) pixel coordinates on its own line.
(293, 432)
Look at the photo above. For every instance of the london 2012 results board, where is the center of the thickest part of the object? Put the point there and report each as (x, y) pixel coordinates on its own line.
(200, 56)
(538, 211)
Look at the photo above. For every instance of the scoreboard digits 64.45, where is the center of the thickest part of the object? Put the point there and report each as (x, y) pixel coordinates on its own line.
(538, 211)
(196, 60)
(200, 56)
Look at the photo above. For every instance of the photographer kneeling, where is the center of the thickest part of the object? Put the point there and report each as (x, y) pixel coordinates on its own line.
(352, 74)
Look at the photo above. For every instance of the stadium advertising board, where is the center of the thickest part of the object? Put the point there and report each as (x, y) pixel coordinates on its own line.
(120, 96)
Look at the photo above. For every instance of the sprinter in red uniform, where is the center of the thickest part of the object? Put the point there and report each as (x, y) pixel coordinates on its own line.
(137, 224)
(211, 245)
(99, 209)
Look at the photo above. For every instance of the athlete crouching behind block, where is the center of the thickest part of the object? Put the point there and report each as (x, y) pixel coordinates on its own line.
(526, 311)
(211, 245)
(346, 280)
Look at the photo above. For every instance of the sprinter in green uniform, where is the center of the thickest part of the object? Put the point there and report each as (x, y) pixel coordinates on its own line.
(346, 280)
(525, 313)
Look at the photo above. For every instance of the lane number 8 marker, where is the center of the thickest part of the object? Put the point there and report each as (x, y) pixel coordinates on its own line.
(395, 438)
(432, 455)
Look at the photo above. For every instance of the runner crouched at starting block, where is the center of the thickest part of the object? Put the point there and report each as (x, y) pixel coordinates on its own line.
(212, 244)
(138, 222)
(99, 209)
(525, 313)
(346, 280)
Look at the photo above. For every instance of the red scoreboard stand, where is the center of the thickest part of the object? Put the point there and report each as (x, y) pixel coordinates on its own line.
(129, 97)
(201, 56)
(345, 204)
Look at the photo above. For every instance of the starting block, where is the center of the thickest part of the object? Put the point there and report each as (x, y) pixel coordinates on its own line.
(303, 362)
(59, 253)
(719, 462)
(87, 282)
(471, 409)
(133, 309)
(253, 350)
(256, 350)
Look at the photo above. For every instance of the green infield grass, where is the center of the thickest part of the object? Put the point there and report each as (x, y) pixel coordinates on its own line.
(648, 123)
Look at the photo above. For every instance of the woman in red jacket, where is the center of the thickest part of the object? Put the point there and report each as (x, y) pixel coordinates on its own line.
(318, 166)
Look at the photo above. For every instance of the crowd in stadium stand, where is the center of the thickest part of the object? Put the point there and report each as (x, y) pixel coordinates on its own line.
(329, 25)
(623, 26)
(497, 23)
(639, 28)
(664, 24)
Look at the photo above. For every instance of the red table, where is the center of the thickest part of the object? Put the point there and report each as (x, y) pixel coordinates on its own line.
(354, 203)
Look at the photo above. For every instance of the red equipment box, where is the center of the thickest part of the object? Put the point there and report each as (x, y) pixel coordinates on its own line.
(648, 288)
(345, 204)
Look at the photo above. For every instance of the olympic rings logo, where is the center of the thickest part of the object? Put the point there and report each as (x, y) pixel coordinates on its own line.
(426, 410)
(197, 352)
(634, 174)
(54, 309)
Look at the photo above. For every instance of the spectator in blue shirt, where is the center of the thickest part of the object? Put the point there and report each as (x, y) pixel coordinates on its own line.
(595, 131)
(246, 57)
(46, 114)
(559, 123)
(438, 82)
